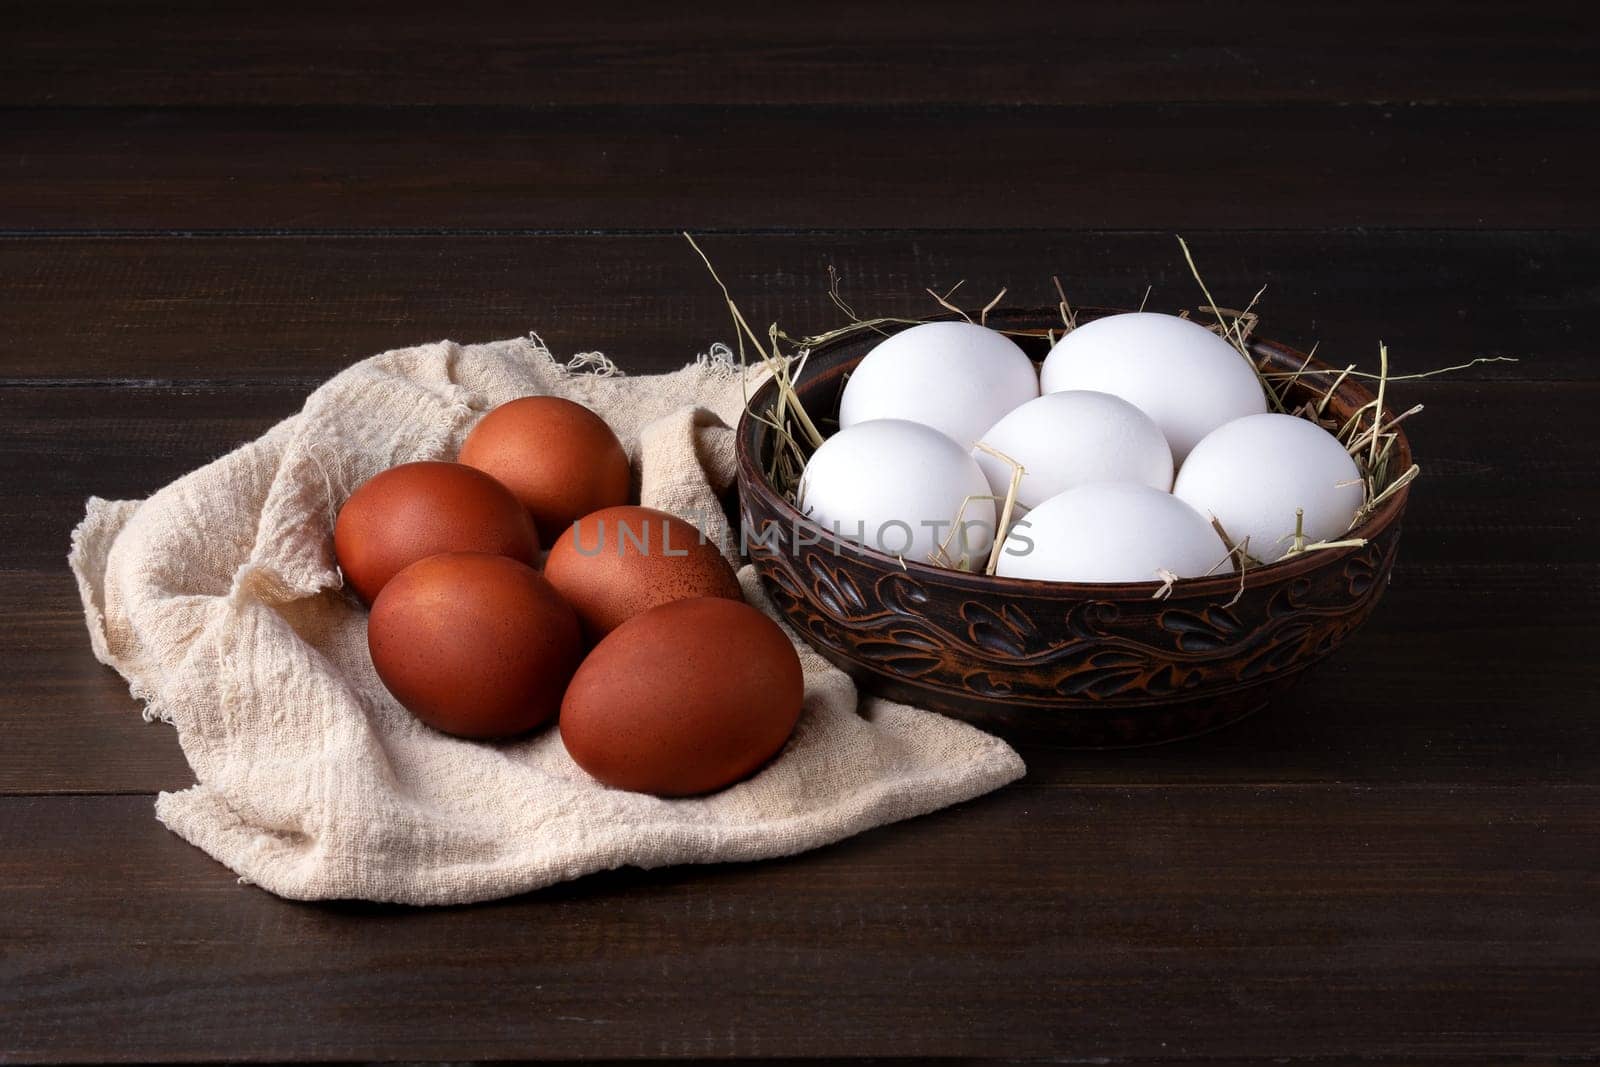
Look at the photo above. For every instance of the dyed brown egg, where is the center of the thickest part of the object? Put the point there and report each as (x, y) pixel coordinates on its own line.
(686, 698)
(616, 563)
(416, 510)
(473, 644)
(559, 458)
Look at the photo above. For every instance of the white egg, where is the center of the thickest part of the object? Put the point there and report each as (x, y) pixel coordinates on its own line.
(954, 376)
(1112, 533)
(1186, 378)
(897, 487)
(1068, 439)
(1254, 472)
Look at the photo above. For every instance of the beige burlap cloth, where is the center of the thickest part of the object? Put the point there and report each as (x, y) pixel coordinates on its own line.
(219, 601)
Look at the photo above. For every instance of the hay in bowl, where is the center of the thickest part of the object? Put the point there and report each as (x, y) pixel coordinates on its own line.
(1094, 665)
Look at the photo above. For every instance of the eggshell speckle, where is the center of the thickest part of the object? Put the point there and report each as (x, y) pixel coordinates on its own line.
(416, 510)
(557, 457)
(473, 644)
(686, 698)
(621, 561)
(1112, 533)
(1186, 378)
(1254, 472)
(897, 487)
(1074, 438)
(957, 377)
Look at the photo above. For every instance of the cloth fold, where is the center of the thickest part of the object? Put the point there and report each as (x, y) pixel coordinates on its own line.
(219, 600)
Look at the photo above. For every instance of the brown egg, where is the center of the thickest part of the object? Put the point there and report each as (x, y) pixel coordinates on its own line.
(473, 644)
(416, 510)
(618, 562)
(559, 458)
(683, 699)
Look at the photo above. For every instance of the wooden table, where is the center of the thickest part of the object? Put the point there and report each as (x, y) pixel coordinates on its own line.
(205, 214)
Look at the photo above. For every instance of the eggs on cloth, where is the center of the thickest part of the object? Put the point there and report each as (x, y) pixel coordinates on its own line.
(688, 688)
(956, 377)
(688, 697)
(416, 510)
(617, 562)
(558, 458)
(473, 644)
(1186, 378)
(1253, 473)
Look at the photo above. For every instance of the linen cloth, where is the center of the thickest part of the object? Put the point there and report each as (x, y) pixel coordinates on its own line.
(219, 600)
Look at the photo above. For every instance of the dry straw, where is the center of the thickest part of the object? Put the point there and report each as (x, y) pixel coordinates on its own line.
(1369, 434)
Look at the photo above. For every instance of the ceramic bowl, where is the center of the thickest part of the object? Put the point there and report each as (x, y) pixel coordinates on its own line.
(1084, 664)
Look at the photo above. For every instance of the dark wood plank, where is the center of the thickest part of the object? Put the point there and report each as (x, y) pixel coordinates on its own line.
(1396, 865)
(298, 309)
(1258, 167)
(77, 53)
(1467, 673)
(72, 727)
(1079, 922)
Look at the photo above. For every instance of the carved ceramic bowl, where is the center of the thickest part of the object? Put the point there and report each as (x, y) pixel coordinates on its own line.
(1086, 664)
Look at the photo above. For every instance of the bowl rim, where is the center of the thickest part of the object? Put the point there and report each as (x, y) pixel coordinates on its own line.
(752, 479)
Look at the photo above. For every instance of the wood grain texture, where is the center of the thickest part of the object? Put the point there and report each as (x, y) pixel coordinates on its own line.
(1149, 51)
(207, 209)
(294, 310)
(1190, 922)
(1045, 168)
